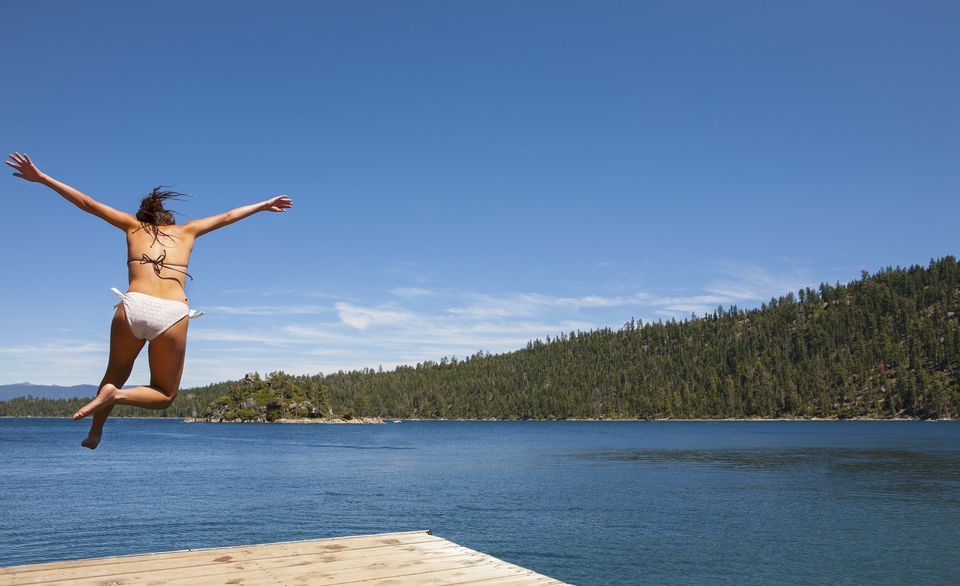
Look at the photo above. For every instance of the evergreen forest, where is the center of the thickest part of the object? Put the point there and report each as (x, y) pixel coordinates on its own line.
(884, 346)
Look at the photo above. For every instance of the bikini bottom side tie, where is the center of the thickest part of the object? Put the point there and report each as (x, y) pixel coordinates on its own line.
(150, 316)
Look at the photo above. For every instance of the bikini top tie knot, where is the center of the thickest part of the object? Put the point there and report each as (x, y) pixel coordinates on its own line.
(158, 264)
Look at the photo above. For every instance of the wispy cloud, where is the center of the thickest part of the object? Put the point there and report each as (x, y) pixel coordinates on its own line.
(54, 348)
(61, 362)
(750, 282)
(413, 292)
(269, 309)
(238, 334)
(363, 317)
(405, 326)
(305, 291)
(485, 306)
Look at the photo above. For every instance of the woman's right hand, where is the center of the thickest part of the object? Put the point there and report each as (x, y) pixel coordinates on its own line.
(25, 167)
(277, 204)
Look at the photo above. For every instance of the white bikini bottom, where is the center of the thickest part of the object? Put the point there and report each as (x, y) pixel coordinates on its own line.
(150, 316)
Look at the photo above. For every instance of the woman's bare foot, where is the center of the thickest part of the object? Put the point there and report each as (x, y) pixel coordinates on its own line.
(106, 397)
(91, 442)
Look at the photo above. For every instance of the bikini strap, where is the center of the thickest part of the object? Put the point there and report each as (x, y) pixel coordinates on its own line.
(120, 294)
(158, 264)
(191, 313)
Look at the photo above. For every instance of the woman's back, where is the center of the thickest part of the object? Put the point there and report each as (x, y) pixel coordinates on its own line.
(158, 262)
(154, 309)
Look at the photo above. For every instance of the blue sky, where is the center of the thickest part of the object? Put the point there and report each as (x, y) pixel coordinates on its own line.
(467, 175)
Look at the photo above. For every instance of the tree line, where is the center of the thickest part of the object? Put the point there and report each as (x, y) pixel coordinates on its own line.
(885, 345)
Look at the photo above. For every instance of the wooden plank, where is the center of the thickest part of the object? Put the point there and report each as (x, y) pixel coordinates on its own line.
(409, 566)
(332, 543)
(533, 579)
(444, 577)
(311, 574)
(206, 556)
(318, 575)
(407, 558)
(332, 570)
(337, 543)
(151, 571)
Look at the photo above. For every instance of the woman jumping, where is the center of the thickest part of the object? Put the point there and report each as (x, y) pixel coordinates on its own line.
(155, 305)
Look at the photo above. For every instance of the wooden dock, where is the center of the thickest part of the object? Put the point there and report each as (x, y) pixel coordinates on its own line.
(405, 558)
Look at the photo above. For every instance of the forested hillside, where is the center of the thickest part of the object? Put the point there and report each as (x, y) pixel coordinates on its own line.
(886, 345)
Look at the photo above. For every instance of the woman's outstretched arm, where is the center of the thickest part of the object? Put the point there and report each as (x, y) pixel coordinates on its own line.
(202, 226)
(28, 171)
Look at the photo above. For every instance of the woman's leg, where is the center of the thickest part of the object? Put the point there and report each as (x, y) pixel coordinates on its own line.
(124, 349)
(166, 353)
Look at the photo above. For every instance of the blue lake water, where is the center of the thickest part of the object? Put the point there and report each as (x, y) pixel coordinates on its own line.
(854, 502)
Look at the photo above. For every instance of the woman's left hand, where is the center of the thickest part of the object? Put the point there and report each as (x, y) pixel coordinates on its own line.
(25, 167)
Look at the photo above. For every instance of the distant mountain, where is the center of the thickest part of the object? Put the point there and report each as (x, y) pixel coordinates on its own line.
(46, 391)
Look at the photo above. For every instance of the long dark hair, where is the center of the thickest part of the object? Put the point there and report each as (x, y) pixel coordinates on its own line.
(153, 213)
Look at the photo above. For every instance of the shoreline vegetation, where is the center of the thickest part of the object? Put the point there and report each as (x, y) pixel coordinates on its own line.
(318, 420)
(381, 420)
(885, 346)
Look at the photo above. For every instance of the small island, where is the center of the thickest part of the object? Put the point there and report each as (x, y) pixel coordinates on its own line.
(276, 399)
(286, 420)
